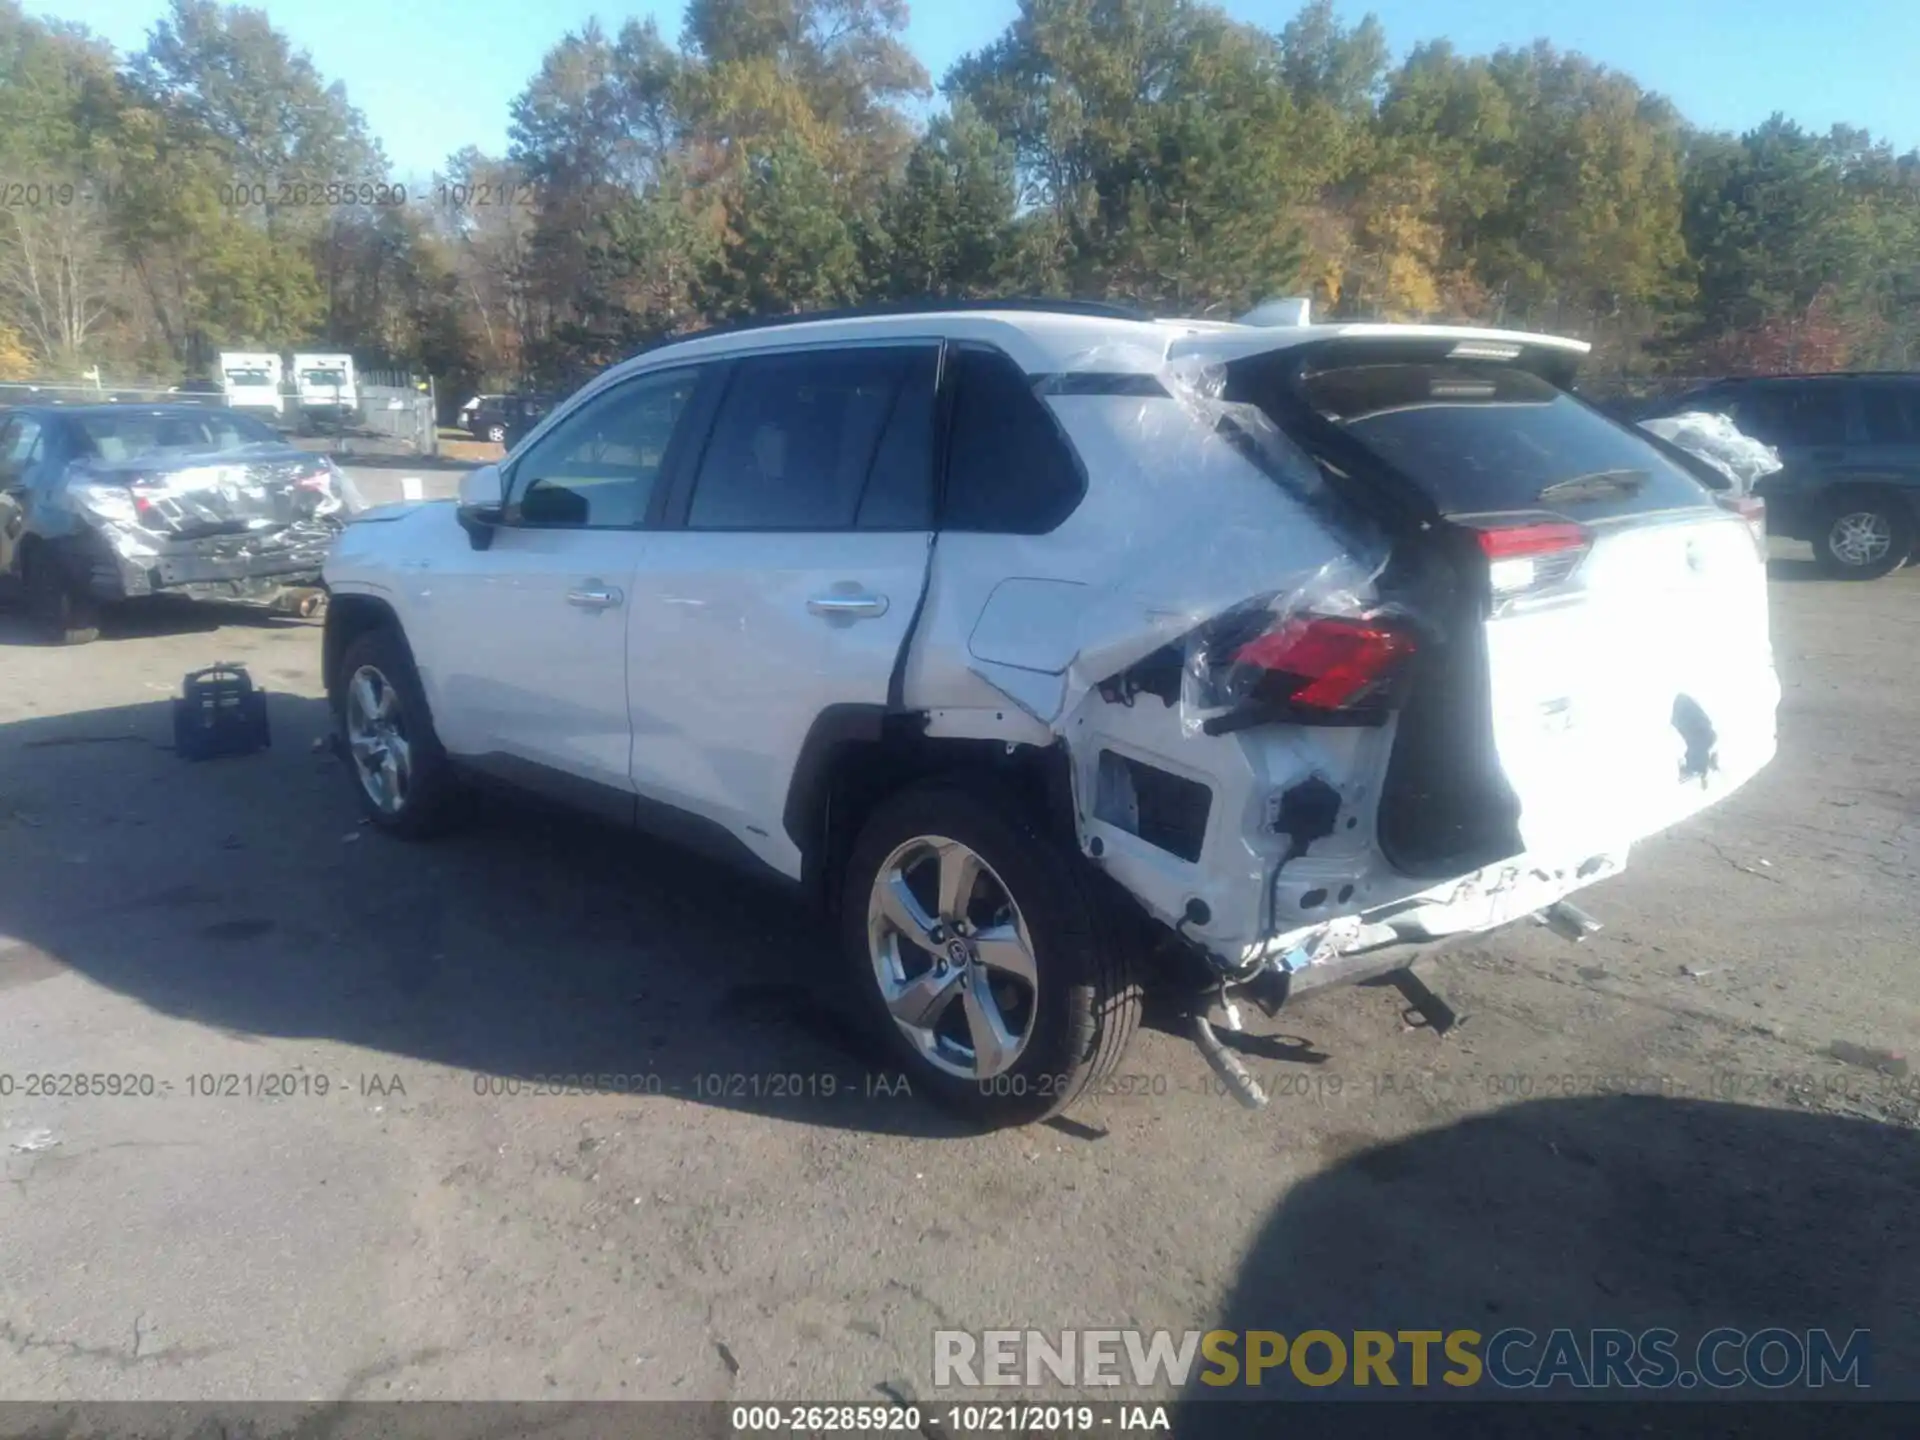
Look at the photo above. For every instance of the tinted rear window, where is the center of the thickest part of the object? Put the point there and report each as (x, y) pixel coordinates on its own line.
(1892, 413)
(1484, 438)
(133, 435)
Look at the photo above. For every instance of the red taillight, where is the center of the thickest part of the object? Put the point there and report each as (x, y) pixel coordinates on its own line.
(1330, 662)
(1753, 510)
(1549, 537)
(1531, 555)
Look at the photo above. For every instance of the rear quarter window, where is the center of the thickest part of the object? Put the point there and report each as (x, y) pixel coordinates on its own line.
(1482, 439)
(1891, 414)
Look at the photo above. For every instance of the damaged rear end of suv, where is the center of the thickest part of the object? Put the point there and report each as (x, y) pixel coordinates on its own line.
(1420, 646)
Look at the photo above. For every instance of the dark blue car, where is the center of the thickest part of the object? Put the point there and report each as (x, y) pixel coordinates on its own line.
(1850, 451)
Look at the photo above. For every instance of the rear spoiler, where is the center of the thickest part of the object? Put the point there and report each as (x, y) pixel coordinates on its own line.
(1554, 358)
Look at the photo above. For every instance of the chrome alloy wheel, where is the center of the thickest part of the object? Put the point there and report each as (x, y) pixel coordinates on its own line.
(377, 737)
(1861, 538)
(952, 957)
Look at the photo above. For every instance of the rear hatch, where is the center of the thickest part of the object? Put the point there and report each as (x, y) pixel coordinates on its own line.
(1604, 666)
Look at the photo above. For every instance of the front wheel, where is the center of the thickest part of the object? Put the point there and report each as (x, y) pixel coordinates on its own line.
(982, 957)
(404, 781)
(1863, 535)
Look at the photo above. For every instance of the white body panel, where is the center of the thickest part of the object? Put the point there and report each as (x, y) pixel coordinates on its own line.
(730, 662)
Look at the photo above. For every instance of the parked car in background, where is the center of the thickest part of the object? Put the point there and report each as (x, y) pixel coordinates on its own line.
(1055, 650)
(106, 503)
(1849, 448)
(502, 419)
(464, 420)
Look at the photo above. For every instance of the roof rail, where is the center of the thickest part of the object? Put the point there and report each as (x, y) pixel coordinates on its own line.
(1097, 309)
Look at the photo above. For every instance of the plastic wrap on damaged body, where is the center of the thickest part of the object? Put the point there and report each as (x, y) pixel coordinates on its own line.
(1221, 664)
(240, 508)
(1231, 534)
(1722, 444)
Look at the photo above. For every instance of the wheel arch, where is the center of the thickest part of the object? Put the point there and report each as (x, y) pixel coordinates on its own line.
(349, 616)
(1900, 492)
(855, 756)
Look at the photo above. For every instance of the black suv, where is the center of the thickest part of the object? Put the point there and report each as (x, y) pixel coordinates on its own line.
(1850, 448)
(503, 419)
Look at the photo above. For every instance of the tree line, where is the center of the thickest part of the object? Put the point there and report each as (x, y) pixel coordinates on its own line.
(214, 191)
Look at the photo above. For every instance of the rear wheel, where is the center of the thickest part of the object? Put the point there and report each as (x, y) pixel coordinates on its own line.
(981, 956)
(404, 781)
(1863, 534)
(497, 434)
(63, 612)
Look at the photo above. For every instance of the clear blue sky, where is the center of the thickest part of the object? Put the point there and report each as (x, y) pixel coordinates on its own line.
(433, 75)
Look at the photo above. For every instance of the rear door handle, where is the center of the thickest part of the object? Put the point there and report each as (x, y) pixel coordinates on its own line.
(594, 596)
(856, 605)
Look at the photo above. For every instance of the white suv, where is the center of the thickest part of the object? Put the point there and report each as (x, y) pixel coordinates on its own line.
(1019, 636)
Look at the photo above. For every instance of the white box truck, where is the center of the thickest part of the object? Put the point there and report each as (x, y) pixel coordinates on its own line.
(251, 381)
(324, 390)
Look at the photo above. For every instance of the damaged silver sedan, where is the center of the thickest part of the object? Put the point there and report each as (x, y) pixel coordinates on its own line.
(101, 504)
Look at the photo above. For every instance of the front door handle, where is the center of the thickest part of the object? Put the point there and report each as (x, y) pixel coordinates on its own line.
(594, 596)
(853, 605)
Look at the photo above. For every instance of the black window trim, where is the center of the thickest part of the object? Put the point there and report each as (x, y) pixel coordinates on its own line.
(679, 504)
(657, 500)
(1039, 386)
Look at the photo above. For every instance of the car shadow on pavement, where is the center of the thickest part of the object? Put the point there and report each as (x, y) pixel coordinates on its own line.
(1795, 571)
(245, 894)
(147, 618)
(1627, 1212)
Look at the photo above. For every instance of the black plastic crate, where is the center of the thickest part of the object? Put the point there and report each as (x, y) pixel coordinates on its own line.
(219, 712)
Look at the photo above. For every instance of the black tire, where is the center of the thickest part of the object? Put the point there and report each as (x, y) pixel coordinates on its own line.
(433, 801)
(1884, 509)
(497, 434)
(1087, 997)
(62, 612)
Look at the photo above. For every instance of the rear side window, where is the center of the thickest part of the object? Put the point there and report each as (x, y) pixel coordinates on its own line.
(1009, 470)
(1793, 414)
(1481, 438)
(798, 438)
(1892, 414)
(19, 447)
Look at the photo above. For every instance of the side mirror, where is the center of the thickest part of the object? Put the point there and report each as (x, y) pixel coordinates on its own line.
(482, 505)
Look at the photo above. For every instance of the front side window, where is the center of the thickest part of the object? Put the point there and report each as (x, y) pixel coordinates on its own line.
(597, 469)
(1794, 415)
